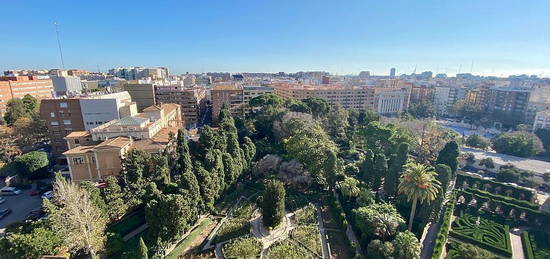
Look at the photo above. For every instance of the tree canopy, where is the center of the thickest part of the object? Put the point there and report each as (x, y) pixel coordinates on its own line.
(517, 143)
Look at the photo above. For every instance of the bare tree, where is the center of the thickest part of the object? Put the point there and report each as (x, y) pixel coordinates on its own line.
(74, 215)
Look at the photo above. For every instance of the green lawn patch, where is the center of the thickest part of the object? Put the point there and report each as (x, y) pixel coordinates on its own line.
(129, 223)
(286, 250)
(184, 244)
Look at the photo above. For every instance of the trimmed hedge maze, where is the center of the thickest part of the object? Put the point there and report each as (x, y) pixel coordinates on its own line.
(536, 244)
(482, 232)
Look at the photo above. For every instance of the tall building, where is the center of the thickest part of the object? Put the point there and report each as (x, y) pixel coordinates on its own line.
(509, 105)
(391, 101)
(66, 115)
(190, 100)
(19, 86)
(66, 85)
(392, 72)
(97, 154)
(228, 94)
(143, 94)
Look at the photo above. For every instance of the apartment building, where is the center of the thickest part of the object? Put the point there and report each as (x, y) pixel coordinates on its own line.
(446, 96)
(66, 115)
(98, 153)
(228, 94)
(348, 97)
(391, 101)
(190, 100)
(66, 85)
(18, 86)
(421, 93)
(542, 121)
(509, 104)
(143, 94)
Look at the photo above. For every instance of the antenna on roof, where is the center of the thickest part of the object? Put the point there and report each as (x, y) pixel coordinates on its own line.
(59, 44)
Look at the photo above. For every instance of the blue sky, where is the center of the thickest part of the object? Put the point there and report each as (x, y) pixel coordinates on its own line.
(340, 36)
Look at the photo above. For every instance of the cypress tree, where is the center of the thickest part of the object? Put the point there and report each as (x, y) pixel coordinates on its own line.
(380, 170)
(443, 176)
(449, 155)
(367, 167)
(183, 164)
(273, 204)
(392, 178)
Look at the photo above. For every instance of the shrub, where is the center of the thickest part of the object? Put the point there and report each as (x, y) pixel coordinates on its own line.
(306, 215)
(309, 237)
(536, 244)
(243, 247)
(516, 192)
(487, 162)
(477, 141)
(444, 230)
(527, 248)
(232, 228)
(286, 249)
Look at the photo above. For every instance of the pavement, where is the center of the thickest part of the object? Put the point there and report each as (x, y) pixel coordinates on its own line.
(20, 205)
(322, 230)
(517, 247)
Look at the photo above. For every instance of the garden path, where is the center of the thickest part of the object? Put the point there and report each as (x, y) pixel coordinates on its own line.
(322, 230)
(135, 232)
(517, 247)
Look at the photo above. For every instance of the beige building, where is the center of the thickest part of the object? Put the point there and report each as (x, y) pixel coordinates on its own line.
(190, 100)
(542, 121)
(98, 153)
(228, 94)
(143, 94)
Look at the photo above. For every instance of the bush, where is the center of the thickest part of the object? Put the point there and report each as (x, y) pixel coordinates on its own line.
(286, 249)
(518, 143)
(309, 237)
(306, 215)
(527, 248)
(444, 229)
(516, 192)
(32, 165)
(477, 141)
(536, 244)
(244, 247)
(498, 197)
(232, 228)
(487, 162)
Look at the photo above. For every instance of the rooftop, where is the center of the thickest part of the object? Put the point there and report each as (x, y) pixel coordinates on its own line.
(78, 134)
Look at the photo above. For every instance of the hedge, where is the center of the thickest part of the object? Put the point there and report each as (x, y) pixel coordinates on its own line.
(481, 244)
(441, 239)
(527, 247)
(531, 215)
(516, 191)
(510, 200)
(340, 216)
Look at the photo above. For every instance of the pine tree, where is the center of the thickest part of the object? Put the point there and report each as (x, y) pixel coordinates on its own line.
(142, 249)
(449, 155)
(114, 198)
(380, 170)
(392, 178)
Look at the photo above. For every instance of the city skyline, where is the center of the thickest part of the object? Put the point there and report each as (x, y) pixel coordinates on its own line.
(484, 38)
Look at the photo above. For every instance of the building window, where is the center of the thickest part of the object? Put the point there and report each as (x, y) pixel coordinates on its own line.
(55, 123)
(52, 114)
(63, 105)
(78, 160)
(67, 122)
(76, 141)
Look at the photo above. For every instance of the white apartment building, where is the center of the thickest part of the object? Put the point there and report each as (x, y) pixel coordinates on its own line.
(99, 109)
(391, 102)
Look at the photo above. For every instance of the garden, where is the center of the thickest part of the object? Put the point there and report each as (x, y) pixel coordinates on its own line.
(536, 244)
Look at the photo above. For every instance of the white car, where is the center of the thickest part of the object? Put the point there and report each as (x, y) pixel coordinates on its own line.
(9, 191)
(47, 195)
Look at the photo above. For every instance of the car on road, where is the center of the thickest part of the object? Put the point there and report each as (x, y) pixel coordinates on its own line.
(9, 191)
(2, 200)
(4, 213)
(47, 195)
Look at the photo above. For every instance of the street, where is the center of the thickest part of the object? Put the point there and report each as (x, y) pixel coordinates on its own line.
(20, 205)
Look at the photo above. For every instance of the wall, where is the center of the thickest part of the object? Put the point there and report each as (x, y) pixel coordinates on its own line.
(98, 111)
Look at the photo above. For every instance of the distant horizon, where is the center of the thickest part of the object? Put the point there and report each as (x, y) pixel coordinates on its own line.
(486, 38)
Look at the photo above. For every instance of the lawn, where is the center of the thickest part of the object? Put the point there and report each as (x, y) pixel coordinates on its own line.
(183, 245)
(486, 234)
(129, 223)
(243, 247)
(286, 249)
(309, 237)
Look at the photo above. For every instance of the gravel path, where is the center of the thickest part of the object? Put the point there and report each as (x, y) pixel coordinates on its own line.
(517, 247)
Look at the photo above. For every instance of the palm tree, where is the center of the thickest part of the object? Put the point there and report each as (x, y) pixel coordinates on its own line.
(418, 182)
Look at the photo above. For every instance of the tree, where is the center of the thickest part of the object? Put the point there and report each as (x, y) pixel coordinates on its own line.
(349, 187)
(378, 220)
(158, 172)
(76, 218)
(544, 136)
(367, 167)
(318, 106)
(183, 164)
(518, 143)
(443, 176)
(423, 109)
(418, 183)
(380, 250)
(477, 141)
(114, 198)
(142, 249)
(249, 150)
(94, 195)
(487, 162)
(449, 155)
(336, 123)
(266, 100)
(469, 251)
(380, 170)
(365, 198)
(135, 166)
(15, 109)
(32, 164)
(406, 246)
(31, 240)
(273, 204)
(392, 178)
(31, 104)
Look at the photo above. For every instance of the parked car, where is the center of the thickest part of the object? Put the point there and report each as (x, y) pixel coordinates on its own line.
(2, 200)
(9, 191)
(4, 213)
(36, 214)
(47, 195)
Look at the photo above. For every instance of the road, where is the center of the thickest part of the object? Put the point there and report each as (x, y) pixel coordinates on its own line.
(20, 205)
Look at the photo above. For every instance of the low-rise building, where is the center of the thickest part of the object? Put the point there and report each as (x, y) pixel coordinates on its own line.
(19, 86)
(542, 121)
(98, 153)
